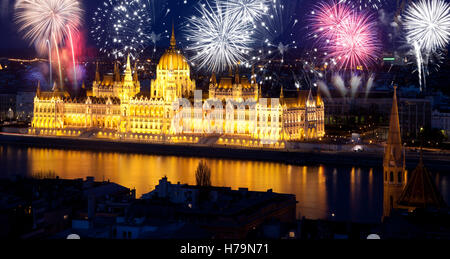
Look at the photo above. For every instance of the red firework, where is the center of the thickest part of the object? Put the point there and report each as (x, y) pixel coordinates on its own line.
(349, 37)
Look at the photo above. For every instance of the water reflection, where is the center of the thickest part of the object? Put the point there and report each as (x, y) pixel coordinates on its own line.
(348, 193)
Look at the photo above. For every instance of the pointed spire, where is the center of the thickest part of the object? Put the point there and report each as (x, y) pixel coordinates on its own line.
(237, 78)
(394, 143)
(97, 73)
(230, 71)
(128, 63)
(38, 90)
(260, 92)
(116, 72)
(173, 41)
(128, 73)
(55, 86)
(281, 93)
(213, 79)
(83, 86)
(318, 98)
(135, 75)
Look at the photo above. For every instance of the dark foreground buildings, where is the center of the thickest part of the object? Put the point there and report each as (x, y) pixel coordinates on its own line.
(56, 208)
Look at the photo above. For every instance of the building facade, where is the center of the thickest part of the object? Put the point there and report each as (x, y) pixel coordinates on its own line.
(234, 113)
(441, 121)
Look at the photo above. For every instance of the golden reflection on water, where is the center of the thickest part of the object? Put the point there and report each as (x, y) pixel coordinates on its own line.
(142, 172)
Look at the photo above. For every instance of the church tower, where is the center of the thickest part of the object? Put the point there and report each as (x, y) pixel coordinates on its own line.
(394, 173)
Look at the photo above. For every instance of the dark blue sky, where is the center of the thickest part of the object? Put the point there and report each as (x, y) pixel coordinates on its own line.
(12, 41)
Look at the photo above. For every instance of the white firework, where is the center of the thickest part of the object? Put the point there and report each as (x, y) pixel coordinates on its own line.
(217, 39)
(364, 4)
(427, 22)
(47, 20)
(122, 27)
(247, 10)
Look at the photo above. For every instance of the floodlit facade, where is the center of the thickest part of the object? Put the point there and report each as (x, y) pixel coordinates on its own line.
(174, 112)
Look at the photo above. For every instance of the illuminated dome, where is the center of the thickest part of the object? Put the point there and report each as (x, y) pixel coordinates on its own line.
(172, 59)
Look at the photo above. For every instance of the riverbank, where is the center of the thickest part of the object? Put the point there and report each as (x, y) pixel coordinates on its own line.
(295, 157)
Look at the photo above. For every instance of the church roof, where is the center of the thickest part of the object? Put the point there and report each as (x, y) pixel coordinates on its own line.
(421, 192)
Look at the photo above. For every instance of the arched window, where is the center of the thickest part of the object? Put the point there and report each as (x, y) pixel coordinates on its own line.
(392, 177)
(399, 177)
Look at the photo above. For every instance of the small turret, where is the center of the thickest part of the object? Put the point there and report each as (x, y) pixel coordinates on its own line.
(135, 73)
(236, 76)
(38, 90)
(116, 73)
(97, 73)
(213, 79)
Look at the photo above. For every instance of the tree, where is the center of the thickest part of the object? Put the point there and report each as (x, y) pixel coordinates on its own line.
(203, 175)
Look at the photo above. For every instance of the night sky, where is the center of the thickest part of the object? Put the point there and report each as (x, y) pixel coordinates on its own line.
(12, 43)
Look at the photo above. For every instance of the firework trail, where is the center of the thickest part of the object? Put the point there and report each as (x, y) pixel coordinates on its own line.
(217, 39)
(355, 83)
(73, 57)
(369, 85)
(339, 83)
(122, 27)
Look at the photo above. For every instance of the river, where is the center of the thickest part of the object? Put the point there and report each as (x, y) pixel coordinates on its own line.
(323, 192)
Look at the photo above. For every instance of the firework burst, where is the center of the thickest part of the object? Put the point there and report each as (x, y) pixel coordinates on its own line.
(247, 10)
(122, 27)
(427, 22)
(348, 36)
(357, 45)
(274, 33)
(364, 4)
(47, 20)
(217, 39)
(328, 19)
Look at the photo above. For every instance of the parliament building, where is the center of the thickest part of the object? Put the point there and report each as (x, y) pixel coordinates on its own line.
(116, 108)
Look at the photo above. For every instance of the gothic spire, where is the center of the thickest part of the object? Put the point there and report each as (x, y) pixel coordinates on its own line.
(97, 73)
(135, 75)
(393, 152)
(213, 79)
(173, 42)
(128, 73)
(236, 76)
(116, 72)
(38, 90)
